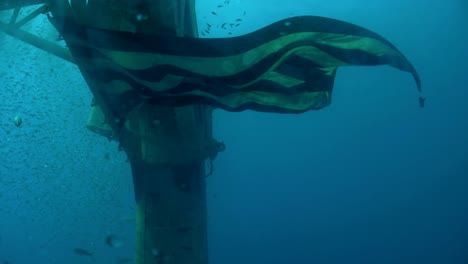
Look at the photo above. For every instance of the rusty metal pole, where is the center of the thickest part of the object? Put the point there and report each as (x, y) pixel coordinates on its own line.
(167, 165)
(171, 205)
(166, 146)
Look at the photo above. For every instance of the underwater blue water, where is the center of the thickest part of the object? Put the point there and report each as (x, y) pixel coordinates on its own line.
(371, 179)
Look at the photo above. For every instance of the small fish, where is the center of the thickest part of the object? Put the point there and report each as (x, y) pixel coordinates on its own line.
(239, 20)
(208, 25)
(236, 25)
(214, 13)
(18, 121)
(219, 6)
(224, 25)
(83, 252)
(114, 241)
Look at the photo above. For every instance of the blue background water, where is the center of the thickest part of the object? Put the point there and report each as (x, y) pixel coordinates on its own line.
(371, 179)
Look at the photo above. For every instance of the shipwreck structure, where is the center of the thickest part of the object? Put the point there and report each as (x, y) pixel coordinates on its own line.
(155, 83)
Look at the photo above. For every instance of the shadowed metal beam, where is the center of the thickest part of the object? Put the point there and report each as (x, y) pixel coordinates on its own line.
(38, 42)
(10, 4)
(26, 19)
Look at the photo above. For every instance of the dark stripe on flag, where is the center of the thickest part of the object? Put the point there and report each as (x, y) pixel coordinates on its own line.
(324, 83)
(216, 47)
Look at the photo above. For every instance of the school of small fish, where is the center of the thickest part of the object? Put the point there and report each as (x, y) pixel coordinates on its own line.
(228, 26)
(115, 241)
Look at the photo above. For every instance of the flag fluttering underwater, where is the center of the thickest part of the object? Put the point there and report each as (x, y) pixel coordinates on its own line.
(286, 67)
